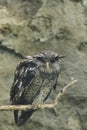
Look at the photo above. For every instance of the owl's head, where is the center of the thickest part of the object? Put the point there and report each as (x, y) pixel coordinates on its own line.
(48, 60)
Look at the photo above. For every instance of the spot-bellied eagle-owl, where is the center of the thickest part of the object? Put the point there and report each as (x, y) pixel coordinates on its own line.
(34, 79)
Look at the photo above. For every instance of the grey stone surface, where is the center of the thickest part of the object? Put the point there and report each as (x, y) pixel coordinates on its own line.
(28, 27)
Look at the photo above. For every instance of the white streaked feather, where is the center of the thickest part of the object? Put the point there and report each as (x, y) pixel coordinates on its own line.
(20, 85)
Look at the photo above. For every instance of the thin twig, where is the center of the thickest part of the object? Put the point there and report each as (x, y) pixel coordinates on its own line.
(38, 106)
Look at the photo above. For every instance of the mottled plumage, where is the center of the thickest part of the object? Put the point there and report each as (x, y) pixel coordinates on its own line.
(34, 79)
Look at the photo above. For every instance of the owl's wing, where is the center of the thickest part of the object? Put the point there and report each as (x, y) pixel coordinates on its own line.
(56, 81)
(24, 74)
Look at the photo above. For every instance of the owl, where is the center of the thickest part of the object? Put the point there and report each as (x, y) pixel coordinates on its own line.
(34, 79)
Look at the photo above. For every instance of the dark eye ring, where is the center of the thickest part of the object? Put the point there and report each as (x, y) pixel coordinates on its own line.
(55, 59)
(40, 59)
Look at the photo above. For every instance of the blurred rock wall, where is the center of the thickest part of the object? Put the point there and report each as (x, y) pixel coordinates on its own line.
(30, 26)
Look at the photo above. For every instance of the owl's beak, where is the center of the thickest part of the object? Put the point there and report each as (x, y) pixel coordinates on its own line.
(47, 66)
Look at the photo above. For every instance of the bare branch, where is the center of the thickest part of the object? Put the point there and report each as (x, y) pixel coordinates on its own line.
(39, 106)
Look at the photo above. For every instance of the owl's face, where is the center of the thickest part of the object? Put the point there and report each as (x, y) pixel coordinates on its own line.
(48, 61)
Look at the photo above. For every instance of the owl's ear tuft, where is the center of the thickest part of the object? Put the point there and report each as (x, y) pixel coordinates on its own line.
(61, 56)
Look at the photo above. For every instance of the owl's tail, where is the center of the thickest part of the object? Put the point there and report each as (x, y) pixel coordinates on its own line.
(20, 120)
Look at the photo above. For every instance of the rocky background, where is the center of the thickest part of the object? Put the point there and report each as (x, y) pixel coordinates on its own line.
(30, 26)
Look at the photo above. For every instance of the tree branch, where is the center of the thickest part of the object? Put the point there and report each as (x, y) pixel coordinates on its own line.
(39, 106)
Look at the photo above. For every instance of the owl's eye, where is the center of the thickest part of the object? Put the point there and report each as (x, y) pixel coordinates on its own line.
(54, 59)
(41, 59)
